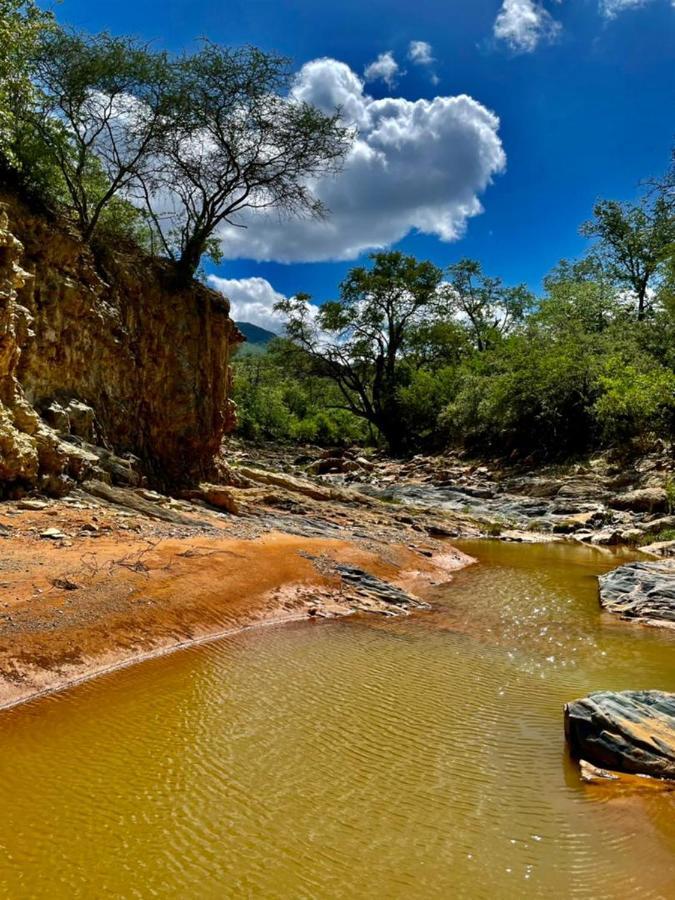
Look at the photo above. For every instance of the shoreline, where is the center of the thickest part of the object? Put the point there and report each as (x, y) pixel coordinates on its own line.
(89, 603)
(130, 661)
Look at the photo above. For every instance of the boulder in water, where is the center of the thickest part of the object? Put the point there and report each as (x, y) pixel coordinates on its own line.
(642, 591)
(624, 731)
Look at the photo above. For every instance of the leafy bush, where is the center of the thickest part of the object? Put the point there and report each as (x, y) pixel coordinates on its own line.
(533, 394)
(275, 403)
(635, 399)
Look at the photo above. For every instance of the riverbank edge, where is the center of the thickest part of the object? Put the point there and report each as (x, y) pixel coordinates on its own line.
(194, 588)
(138, 659)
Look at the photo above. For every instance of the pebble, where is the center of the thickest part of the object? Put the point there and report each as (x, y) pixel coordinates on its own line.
(53, 534)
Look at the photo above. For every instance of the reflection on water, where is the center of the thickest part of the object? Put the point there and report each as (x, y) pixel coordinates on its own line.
(415, 758)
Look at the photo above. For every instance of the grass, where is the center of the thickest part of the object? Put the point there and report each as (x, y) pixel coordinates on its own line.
(668, 534)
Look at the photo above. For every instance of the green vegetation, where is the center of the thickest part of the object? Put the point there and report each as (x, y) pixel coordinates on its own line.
(162, 150)
(429, 358)
(131, 143)
(668, 534)
(275, 404)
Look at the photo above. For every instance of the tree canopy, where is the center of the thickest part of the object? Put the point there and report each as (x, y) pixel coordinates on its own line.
(359, 340)
(430, 358)
(180, 143)
(238, 140)
(633, 241)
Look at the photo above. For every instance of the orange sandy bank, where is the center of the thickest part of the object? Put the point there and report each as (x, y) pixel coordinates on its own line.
(86, 590)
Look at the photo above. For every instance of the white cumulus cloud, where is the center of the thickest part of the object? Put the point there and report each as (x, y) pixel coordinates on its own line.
(415, 165)
(251, 300)
(524, 24)
(420, 53)
(384, 68)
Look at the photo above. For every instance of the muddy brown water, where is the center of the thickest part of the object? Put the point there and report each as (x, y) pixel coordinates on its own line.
(374, 758)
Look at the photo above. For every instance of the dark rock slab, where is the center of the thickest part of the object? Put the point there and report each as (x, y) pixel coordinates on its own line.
(371, 587)
(625, 731)
(642, 591)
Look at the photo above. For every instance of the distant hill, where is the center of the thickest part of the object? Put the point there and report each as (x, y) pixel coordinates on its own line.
(254, 334)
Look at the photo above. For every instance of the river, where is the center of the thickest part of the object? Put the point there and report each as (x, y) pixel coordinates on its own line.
(366, 758)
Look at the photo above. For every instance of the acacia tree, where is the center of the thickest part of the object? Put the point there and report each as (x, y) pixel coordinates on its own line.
(103, 107)
(489, 308)
(360, 340)
(633, 242)
(238, 141)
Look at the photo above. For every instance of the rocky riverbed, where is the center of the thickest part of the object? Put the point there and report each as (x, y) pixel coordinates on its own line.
(115, 572)
(602, 501)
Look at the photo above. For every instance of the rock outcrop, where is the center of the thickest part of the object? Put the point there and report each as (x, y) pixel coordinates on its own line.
(626, 731)
(641, 591)
(110, 354)
(29, 450)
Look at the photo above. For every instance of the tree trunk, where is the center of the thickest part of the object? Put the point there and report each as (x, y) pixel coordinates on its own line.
(188, 263)
(394, 433)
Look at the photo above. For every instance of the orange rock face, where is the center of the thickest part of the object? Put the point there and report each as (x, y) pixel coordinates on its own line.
(150, 361)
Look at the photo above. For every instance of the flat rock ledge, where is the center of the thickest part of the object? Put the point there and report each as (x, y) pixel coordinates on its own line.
(641, 591)
(625, 731)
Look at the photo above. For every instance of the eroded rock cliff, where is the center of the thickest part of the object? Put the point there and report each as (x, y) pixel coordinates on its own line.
(109, 352)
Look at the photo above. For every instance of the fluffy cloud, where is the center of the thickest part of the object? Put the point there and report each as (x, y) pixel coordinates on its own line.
(385, 68)
(252, 300)
(415, 165)
(420, 53)
(523, 24)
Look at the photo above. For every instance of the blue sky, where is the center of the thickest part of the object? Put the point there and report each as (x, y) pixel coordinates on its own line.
(584, 91)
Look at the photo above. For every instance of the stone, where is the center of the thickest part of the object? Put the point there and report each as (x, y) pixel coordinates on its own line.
(630, 535)
(371, 588)
(607, 537)
(660, 548)
(129, 499)
(641, 590)
(53, 534)
(81, 418)
(35, 505)
(642, 500)
(624, 731)
(151, 496)
(665, 523)
(65, 584)
(329, 464)
(221, 497)
(300, 486)
(579, 522)
(582, 489)
(56, 417)
(64, 331)
(591, 774)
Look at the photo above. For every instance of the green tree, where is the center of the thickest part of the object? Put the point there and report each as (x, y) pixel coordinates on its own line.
(632, 242)
(276, 403)
(360, 341)
(489, 308)
(532, 393)
(579, 296)
(103, 106)
(22, 26)
(239, 140)
(636, 397)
